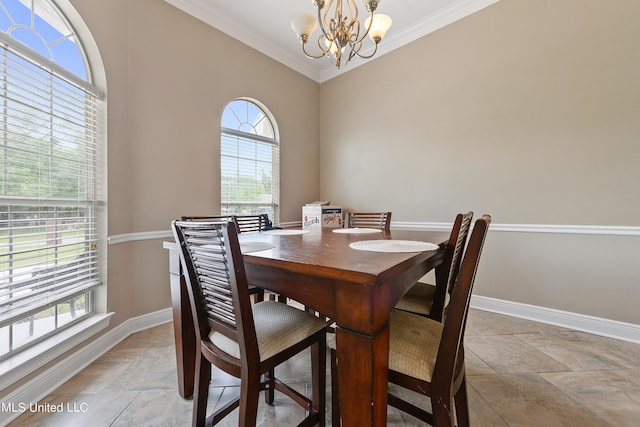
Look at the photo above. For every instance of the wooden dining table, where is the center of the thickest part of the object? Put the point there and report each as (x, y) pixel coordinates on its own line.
(355, 288)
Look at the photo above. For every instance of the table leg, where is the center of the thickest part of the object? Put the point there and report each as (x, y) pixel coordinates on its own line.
(363, 363)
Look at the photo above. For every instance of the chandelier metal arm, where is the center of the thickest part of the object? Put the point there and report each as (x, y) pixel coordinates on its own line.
(342, 34)
(357, 53)
(307, 54)
(321, 21)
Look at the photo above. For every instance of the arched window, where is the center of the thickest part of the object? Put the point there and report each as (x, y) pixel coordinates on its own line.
(52, 228)
(250, 166)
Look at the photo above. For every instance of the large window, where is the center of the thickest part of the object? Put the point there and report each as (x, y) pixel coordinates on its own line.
(51, 176)
(250, 179)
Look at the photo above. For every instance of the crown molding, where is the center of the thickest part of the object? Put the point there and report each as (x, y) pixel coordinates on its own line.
(448, 15)
(298, 62)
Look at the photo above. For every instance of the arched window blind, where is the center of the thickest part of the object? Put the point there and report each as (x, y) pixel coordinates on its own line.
(250, 161)
(51, 176)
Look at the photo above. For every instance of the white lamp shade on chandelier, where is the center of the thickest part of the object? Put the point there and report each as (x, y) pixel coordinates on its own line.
(340, 29)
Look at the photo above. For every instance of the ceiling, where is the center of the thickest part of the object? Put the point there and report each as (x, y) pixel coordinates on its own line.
(265, 26)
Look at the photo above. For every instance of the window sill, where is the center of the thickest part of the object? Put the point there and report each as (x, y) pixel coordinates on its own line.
(19, 366)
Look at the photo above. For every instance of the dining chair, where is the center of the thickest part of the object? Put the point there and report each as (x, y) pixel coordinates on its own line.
(430, 300)
(379, 220)
(427, 356)
(248, 223)
(257, 291)
(244, 340)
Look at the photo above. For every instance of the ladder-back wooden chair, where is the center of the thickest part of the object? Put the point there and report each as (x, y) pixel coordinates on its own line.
(430, 300)
(427, 356)
(245, 340)
(379, 220)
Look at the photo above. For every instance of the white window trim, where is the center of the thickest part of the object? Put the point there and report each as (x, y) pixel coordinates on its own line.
(22, 364)
(17, 367)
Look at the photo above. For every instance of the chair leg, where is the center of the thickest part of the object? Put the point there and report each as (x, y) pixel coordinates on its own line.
(270, 387)
(249, 394)
(201, 390)
(318, 379)
(462, 404)
(442, 411)
(335, 392)
(258, 296)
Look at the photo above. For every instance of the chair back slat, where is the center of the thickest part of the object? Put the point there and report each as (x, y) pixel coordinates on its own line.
(248, 223)
(243, 223)
(379, 220)
(448, 271)
(217, 218)
(217, 286)
(451, 350)
(458, 249)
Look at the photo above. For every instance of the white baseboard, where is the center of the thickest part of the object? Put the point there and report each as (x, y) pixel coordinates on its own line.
(580, 322)
(45, 383)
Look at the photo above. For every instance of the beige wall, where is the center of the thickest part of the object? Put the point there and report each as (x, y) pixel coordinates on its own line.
(169, 77)
(527, 110)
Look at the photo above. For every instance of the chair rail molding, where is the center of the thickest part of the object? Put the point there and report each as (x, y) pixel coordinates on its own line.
(604, 230)
(141, 235)
(530, 228)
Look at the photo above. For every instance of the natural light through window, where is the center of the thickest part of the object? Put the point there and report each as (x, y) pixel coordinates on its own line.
(249, 161)
(51, 176)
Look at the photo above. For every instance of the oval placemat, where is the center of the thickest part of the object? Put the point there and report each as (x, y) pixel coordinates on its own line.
(357, 230)
(393, 246)
(246, 247)
(283, 232)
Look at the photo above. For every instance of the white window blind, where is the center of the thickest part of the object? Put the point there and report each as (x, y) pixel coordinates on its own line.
(249, 161)
(50, 164)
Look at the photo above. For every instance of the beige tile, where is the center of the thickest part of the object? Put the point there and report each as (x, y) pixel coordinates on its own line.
(475, 365)
(529, 400)
(156, 408)
(155, 371)
(79, 410)
(613, 395)
(283, 412)
(159, 336)
(487, 323)
(510, 354)
(94, 379)
(582, 351)
(481, 414)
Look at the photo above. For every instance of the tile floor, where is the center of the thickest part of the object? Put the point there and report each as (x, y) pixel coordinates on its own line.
(521, 373)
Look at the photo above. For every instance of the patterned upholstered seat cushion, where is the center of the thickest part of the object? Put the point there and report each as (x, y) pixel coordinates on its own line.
(418, 299)
(278, 327)
(413, 344)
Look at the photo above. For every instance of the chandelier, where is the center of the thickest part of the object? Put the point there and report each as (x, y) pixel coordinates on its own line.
(341, 33)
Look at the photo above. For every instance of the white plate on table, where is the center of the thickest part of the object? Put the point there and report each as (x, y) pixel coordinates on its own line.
(285, 232)
(357, 230)
(390, 246)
